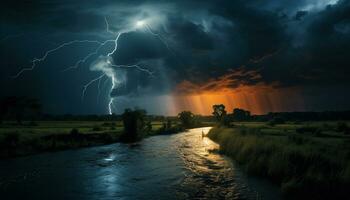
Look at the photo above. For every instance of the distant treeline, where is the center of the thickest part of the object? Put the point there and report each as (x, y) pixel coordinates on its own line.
(304, 116)
(29, 109)
(288, 116)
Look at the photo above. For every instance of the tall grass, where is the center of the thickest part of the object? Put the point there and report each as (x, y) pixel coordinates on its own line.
(302, 166)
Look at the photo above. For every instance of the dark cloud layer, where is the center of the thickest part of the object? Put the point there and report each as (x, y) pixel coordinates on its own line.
(302, 43)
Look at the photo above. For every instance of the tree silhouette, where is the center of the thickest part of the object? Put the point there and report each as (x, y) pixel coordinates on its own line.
(135, 125)
(186, 119)
(220, 114)
(240, 114)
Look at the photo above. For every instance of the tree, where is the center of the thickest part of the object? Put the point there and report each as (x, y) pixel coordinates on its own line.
(240, 114)
(135, 125)
(186, 119)
(168, 123)
(220, 114)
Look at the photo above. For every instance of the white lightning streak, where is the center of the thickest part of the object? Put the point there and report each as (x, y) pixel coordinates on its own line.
(99, 89)
(115, 45)
(38, 60)
(158, 36)
(107, 27)
(89, 83)
(108, 67)
(110, 104)
(81, 61)
(137, 66)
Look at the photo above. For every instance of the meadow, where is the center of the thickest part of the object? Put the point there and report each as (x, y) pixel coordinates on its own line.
(18, 140)
(309, 160)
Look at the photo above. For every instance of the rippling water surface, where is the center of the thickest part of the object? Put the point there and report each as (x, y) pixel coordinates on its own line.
(180, 166)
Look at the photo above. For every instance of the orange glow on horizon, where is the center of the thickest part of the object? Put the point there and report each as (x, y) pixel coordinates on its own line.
(259, 99)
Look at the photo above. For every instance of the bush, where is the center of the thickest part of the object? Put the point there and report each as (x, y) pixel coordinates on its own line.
(33, 123)
(342, 127)
(96, 128)
(327, 127)
(276, 121)
(310, 130)
(74, 132)
(110, 124)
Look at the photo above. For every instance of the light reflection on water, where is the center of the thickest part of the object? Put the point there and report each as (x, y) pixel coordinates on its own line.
(210, 176)
(180, 166)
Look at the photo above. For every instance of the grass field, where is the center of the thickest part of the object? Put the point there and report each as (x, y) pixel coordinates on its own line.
(309, 160)
(56, 135)
(64, 127)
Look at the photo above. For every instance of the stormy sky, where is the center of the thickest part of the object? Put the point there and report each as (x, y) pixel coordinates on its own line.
(261, 55)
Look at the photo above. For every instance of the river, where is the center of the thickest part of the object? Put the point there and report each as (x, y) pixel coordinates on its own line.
(179, 166)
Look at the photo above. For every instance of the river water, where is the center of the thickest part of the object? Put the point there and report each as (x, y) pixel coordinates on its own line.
(179, 166)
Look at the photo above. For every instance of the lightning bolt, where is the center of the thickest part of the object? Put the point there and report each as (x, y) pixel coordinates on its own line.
(85, 87)
(108, 68)
(137, 66)
(47, 53)
(160, 37)
(99, 89)
(81, 61)
(107, 27)
(110, 103)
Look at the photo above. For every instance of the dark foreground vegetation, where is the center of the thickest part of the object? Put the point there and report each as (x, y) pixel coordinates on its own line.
(309, 160)
(25, 130)
(25, 139)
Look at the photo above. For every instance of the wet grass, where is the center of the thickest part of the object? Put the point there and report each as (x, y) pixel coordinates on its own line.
(308, 163)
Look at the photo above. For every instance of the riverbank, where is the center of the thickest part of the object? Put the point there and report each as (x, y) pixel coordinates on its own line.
(21, 140)
(305, 166)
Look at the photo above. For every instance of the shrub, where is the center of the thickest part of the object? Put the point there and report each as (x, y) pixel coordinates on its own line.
(276, 121)
(109, 124)
(327, 127)
(297, 122)
(310, 130)
(33, 123)
(342, 127)
(96, 128)
(74, 132)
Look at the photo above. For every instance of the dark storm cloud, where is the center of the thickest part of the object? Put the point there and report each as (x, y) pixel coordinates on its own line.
(321, 55)
(293, 43)
(300, 14)
(189, 34)
(138, 46)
